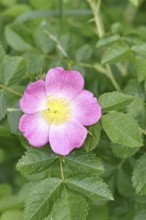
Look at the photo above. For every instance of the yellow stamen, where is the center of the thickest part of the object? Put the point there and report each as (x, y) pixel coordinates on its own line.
(59, 110)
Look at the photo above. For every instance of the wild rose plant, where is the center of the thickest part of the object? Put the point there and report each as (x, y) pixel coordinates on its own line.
(72, 110)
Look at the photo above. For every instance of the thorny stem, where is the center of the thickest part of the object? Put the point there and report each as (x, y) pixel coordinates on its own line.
(10, 90)
(100, 30)
(61, 169)
(87, 65)
(52, 37)
(97, 17)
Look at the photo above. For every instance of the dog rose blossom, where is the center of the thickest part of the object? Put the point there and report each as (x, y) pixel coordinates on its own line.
(57, 110)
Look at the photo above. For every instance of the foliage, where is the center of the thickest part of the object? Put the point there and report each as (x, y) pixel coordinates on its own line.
(106, 42)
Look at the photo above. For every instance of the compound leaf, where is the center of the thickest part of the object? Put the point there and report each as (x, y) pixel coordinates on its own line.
(83, 162)
(122, 129)
(42, 198)
(70, 206)
(35, 161)
(114, 101)
(139, 175)
(90, 186)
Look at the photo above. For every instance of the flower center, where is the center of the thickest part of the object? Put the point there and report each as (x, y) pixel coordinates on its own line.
(59, 110)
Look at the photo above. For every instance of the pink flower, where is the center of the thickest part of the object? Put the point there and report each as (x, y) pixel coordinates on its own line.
(56, 111)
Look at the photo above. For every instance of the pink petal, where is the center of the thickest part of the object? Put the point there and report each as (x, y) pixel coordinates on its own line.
(65, 83)
(86, 108)
(35, 129)
(64, 138)
(34, 98)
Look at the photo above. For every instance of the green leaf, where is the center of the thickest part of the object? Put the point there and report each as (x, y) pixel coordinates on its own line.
(92, 137)
(107, 40)
(13, 118)
(132, 39)
(42, 198)
(141, 215)
(36, 61)
(35, 161)
(42, 41)
(122, 129)
(48, 217)
(121, 151)
(70, 207)
(10, 202)
(114, 101)
(2, 54)
(3, 105)
(5, 190)
(25, 190)
(13, 214)
(7, 3)
(43, 4)
(134, 88)
(16, 10)
(84, 53)
(137, 110)
(16, 40)
(140, 65)
(124, 185)
(98, 212)
(140, 49)
(117, 28)
(13, 70)
(115, 53)
(139, 175)
(83, 162)
(13, 121)
(10, 143)
(90, 186)
(136, 107)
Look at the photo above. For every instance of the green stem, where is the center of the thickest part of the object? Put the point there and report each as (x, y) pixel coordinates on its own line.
(121, 164)
(100, 30)
(88, 65)
(97, 17)
(143, 131)
(61, 169)
(59, 46)
(130, 13)
(121, 69)
(96, 66)
(13, 110)
(10, 90)
(111, 77)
